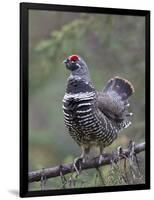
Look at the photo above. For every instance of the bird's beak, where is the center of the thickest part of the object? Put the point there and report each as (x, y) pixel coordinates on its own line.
(65, 61)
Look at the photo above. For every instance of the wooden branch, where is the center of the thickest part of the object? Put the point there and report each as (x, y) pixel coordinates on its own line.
(68, 168)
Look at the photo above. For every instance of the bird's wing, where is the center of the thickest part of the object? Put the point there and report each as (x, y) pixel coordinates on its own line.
(113, 108)
(113, 100)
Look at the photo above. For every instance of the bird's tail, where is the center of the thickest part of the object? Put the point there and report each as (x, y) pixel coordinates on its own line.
(119, 86)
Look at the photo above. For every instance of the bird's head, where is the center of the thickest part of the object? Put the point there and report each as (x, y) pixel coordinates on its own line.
(78, 67)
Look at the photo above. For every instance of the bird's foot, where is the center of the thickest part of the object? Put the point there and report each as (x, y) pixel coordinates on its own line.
(77, 164)
(131, 148)
(120, 151)
(101, 159)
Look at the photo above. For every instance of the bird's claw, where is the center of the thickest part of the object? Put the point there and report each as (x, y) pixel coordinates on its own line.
(119, 151)
(77, 164)
(101, 158)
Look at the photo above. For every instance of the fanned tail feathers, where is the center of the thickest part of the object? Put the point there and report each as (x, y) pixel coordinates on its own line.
(122, 87)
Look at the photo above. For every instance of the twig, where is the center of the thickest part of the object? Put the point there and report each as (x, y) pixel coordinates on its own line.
(94, 163)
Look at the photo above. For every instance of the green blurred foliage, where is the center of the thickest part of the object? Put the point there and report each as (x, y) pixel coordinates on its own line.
(111, 45)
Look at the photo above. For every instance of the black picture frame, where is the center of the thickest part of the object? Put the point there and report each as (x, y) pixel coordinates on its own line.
(24, 21)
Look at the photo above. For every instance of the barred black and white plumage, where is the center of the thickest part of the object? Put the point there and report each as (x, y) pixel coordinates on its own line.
(92, 117)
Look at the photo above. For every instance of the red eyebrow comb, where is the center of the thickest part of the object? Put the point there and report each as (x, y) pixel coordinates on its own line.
(73, 57)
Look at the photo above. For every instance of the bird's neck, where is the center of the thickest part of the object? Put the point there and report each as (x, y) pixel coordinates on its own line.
(77, 84)
(81, 73)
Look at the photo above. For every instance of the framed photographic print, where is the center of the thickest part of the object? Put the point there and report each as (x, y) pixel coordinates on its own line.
(84, 99)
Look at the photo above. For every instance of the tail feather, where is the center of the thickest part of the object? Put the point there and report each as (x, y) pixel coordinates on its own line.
(120, 86)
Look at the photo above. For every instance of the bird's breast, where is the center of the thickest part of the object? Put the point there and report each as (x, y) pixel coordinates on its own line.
(81, 117)
(78, 108)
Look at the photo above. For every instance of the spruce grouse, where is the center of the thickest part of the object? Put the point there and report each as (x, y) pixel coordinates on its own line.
(94, 118)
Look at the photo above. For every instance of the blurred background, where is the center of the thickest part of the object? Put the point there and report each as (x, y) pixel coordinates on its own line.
(111, 45)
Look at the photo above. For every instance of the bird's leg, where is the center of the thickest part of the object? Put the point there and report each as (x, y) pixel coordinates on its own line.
(85, 153)
(82, 159)
(101, 148)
